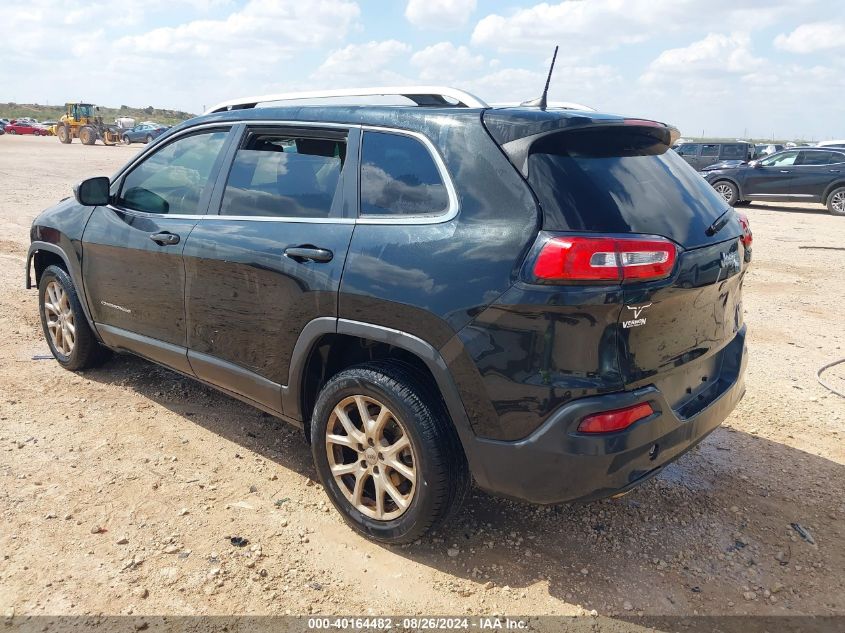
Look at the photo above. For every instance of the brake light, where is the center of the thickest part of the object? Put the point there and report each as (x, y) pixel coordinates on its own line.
(579, 258)
(747, 236)
(615, 420)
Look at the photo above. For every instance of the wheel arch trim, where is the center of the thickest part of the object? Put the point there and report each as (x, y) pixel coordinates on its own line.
(292, 392)
(37, 246)
(831, 188)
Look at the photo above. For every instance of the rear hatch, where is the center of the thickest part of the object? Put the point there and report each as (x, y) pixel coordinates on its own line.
(617, 178)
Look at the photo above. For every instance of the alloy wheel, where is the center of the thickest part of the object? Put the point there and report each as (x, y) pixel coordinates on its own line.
(838, 202)
(725, 191)
(59, 317)
(371, 457)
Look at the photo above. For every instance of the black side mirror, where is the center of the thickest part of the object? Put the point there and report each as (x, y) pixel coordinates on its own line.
(92, 192)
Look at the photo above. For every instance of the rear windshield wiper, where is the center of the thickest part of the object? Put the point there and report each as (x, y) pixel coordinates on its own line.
(718, 224)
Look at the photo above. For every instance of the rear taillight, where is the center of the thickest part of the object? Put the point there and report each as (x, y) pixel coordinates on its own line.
(616, 420)
(578, 258)
(747, 236)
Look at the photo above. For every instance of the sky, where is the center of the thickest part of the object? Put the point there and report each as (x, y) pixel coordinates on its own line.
(733, 68)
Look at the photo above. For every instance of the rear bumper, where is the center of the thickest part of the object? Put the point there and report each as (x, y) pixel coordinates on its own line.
(557, 464)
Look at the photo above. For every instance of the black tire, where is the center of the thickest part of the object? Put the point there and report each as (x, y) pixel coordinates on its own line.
(63, 132)
(12, 132)
(86, 351)
(727, 190)
(87, 135)
(149, 139)
(442, 476)
(836, 201)
(127, 140)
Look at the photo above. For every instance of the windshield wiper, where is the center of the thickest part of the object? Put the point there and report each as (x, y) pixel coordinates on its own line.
(718, 224)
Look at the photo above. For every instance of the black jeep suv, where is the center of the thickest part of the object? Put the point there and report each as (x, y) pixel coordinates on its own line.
(547, 302)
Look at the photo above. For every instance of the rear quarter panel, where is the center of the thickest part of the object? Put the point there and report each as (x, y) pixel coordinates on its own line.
(431, 280)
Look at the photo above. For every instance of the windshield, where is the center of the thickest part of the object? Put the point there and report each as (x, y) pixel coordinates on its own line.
(620, 181)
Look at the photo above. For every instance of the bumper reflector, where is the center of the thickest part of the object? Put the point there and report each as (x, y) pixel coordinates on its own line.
(616, 420)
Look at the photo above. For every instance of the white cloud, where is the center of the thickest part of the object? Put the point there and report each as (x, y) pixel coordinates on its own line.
(719, 86)
(714, 56)
(588, 85)
(584, 27)
(235, 49)
(439, 14)
(445, 62)
(810, 38)
(363, 64)
(272, 28)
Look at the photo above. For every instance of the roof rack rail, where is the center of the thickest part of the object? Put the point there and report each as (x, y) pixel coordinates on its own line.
(421, 95)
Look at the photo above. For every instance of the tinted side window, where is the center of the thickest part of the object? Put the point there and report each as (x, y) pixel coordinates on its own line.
(284, 175)
(688, 149)
(783, 159)
(733, 151)
(399, 177)
(172, 180)
(836, 158)
(709, 150)
(817, 158)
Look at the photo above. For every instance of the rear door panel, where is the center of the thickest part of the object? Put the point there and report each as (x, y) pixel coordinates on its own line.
(811, 180)
(246, 300)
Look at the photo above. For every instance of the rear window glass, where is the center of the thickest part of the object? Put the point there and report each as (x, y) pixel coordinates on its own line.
(620, 182)
(733, 151)
(709, 150)
(399, 177)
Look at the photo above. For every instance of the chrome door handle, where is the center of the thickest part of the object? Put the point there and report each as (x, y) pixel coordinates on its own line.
(165, 238)
(306, 253)
(784, 171)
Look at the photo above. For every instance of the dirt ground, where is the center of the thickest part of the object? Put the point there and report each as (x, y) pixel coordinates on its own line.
(119, 486)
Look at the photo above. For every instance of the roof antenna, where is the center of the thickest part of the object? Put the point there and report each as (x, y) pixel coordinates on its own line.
(540, 102)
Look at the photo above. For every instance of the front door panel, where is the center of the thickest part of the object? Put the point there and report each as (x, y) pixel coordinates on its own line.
(132, 282)
(772, 177)
(768, 181)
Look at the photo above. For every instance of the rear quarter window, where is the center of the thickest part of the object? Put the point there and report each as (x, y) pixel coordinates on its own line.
(399, 177)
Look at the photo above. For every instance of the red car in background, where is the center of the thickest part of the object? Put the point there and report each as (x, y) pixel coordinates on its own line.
(25, 127)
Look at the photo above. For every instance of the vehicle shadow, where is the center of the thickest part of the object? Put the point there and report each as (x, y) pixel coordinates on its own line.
(807, 208)
(712, 534)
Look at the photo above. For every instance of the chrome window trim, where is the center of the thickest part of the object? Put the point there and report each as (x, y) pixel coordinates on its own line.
(451, 211)
(273, 218)
(153, 147)
(448, 215)
(145, 214)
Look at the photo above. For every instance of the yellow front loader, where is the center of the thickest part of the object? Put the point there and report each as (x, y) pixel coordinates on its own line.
(83, 121)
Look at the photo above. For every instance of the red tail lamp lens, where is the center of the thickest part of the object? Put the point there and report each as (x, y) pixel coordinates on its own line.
(605, 259)
(747, 236)
(615, 420)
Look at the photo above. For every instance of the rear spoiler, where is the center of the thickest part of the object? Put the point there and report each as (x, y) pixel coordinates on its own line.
(517, 147)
